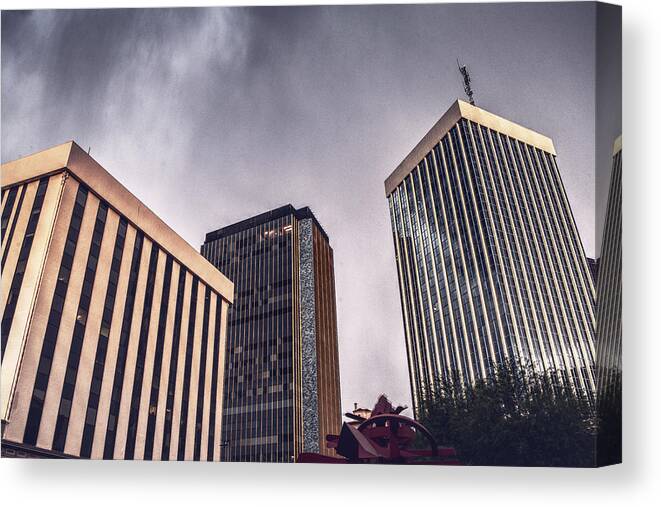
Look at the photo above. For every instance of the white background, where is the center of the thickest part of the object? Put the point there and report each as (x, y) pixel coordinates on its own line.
(636, 482)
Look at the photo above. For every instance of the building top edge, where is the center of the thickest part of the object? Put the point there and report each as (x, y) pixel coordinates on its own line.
(71, 158)
(460, 109)
(617, 145)
(257, 220)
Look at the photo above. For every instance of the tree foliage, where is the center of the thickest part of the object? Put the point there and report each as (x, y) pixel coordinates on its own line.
(514, 417)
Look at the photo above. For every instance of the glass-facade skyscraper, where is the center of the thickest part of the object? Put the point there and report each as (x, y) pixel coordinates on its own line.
(609, 285)
(282, 390)
(609, 322)
(489, 259)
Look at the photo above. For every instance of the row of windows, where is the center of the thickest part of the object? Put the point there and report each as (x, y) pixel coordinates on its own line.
(197, 449)
(8, 208)
(188, 364)
(174, 364)
(609, 288)
(262, 272)
(54, 320)
(21, 264)
(120, 365)
(139, 374)
(214, 381)
(71, 372)
(456, 268)
(136, 304)
(102, 344)
(6, 213)
(158, 361)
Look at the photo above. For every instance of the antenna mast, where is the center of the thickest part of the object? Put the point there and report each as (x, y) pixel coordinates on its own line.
(467, 82)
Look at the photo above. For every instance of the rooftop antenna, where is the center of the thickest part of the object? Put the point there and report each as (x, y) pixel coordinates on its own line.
(467, 82)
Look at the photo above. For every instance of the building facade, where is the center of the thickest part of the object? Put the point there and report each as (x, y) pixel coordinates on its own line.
(609, 285)
(593, 264)
(113, 327)
(490, 263)
(282, 387)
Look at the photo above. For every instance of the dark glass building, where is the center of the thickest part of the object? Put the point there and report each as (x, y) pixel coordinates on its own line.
(282, 385)
(489, 259)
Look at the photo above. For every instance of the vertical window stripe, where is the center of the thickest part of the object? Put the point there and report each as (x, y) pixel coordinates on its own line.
(54, 318)
(102, 345)
(10, 235)
(23, 256)
(487, 231)
(158, 361)
(214, 379)
(261, 393)
(118, 380)
(9, 207)
(183, 420)
(142, 353)
(73, 361)
(200, 384)
(174, 362)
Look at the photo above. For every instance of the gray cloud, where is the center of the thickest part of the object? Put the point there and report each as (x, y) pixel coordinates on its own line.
(213, 115)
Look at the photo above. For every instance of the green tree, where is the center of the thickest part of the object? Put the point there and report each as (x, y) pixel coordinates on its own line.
(513, 417)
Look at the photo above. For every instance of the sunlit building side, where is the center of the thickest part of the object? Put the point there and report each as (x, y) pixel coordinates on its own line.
(490, 263)
(113, 326)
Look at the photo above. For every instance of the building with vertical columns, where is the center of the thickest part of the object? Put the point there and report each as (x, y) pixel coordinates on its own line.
(282, 383)
(593, 264)
(113, 327)
(609, 285)
(489, 260)
(609, 322)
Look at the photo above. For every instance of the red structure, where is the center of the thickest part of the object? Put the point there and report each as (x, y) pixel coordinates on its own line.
(385, 437)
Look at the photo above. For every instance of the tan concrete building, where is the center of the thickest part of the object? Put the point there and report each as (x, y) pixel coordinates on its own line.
(113, 327)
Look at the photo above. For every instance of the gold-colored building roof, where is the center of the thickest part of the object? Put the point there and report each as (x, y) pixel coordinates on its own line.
(458, 110)
(617, 145)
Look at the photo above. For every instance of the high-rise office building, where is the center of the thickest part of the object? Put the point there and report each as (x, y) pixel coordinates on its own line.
(609, 285)
(489, 260)
(282, 385)
(609, 322)
(113, 327)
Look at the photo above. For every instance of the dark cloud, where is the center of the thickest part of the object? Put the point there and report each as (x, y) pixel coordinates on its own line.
(212, 115)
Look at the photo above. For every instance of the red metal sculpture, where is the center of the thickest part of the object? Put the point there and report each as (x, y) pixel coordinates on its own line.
(385, 437)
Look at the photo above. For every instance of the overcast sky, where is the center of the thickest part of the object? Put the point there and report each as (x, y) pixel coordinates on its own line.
(210, 116)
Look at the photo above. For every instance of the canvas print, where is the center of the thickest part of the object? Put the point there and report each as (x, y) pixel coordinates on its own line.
(377, 234)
